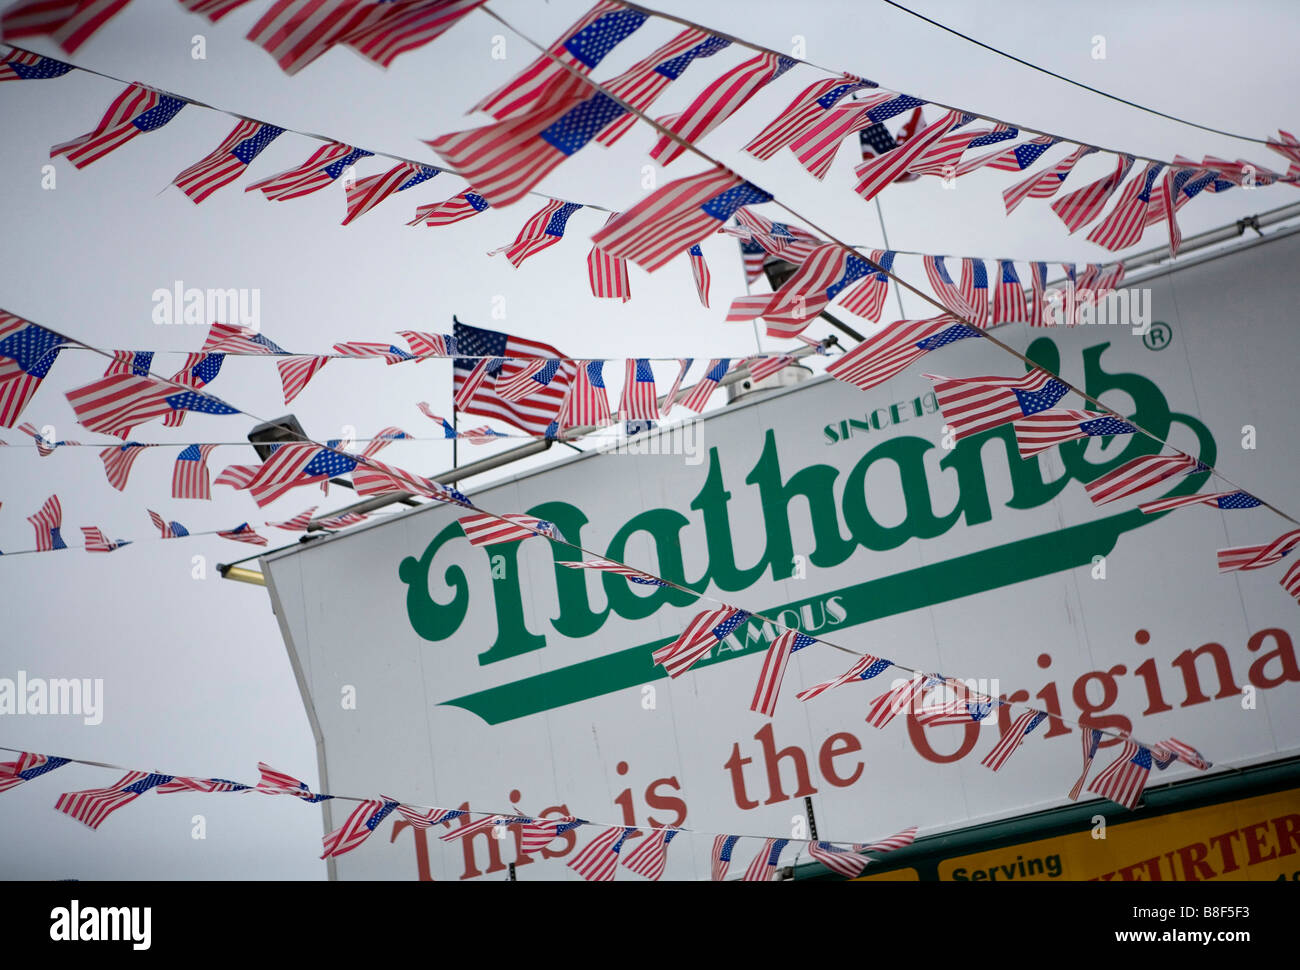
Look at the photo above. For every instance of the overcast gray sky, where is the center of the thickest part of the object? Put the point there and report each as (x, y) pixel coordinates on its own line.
(196, 677)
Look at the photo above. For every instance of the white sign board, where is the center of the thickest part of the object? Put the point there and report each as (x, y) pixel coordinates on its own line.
(493, 678)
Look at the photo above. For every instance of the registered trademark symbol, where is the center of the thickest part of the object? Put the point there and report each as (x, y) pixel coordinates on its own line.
(1158, 336)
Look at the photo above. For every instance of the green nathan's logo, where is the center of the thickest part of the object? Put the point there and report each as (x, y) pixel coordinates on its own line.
(839, 528)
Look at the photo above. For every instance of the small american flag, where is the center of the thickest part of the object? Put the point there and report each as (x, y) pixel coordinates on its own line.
(486, 530)
(16, 65)
(1291, 582)
(27, 352)
(1123, 779)
(1047, 429)
(899, 840)
(753, 256)
(227, 161)
(542, 230)
(168, 530)
(1139, 474)
(115, 405)
(1083, 205)
(975, 290)
(971, 405)
(764, 865)
(378, 478)
(1286, 145)
(1220, 500)
(897, 699)
(363, 821)
(598, 860)
(671, 398)
(864, 668)
(1186, 753)
(1044, 185)
(687, 650)
(580, 48)
(70, 22)
(325, 165)
(234, 339)
(190, 475)
(698, 396)
(27, 766)
(205, 785)
(1091, 739)
(698, 631)
(943, 158)
(1010, 741)
(815, 149)
(48, 521)
(588, 404)
(1038, 285)
(1017, 158)
(96, 541)
(867, 299)
(826, 273)
(137, 109)
(944, 287)
(342, 521)
(618, 569)
(369, 348)
(676, 217)
(44, 447)
(838, 859)
(650, 856)
(775, 661)
(391, 30)
(197, 371)
(876, 173)
(92, 806)
(761, 368)
(1124, 225)
(425, 345)
(718, 102)
(505, 160)
(892, 350)
(423, 818)
(791, 243)
(1257, 557)
(364, 194)
(536, 834)
(295, 372)
(243, 533)
(808, 108)
(289, 466)
(458, 208)
(1009, 304)
(275, 782)
(700, 271)
(642, 83)
(214, 10)
(486, 352)
(118, 460)
(607, 275)
(382, 439)
(296, 34)
(721, 855)
(639, 400)
(135, 362)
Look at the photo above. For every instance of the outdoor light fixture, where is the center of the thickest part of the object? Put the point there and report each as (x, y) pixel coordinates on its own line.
(778, 271)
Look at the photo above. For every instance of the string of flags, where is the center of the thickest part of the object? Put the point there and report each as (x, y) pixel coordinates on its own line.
(597, 861)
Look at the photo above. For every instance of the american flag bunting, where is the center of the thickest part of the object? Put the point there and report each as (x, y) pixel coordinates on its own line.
(892, 350)
(27, 352)
(16, 65)
(1139, 474)
(598, 860)
(363, 821)
(1257, 557)
(809, 107)
(838, 859)
(324, 166)
(92, 806)
(462, 206)
(486, 530)
(764, 865)
(972, 405)
(27, 766)
(364, 194)
(721, 855)
(772, 673)
(1043, 185)
(115, 405)
(118, 460)
(975, 290)
(227, 161)
(639, 400)
(700, 272)
(1047, 429)
(1123, 779)
(697, 396)
(1091, 740)
(275, 782)
(96, 541)
(1083, 205)
(1010, 742)
(588, 404)
(1220, 500)
(136, 110)
(1124, 225)
(477, 394)
(167, 530)
(69, 22)
(542, 230)
(651, 854)
(864, 668)
(1009, 304)
(607, 275)
(48, 523)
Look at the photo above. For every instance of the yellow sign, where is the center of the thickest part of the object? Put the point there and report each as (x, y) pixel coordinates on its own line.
(893, 875)
(1253, 839)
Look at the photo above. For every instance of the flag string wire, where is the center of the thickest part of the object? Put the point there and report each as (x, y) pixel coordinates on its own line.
(690, 146)
(1068, 80)
(915, 673)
